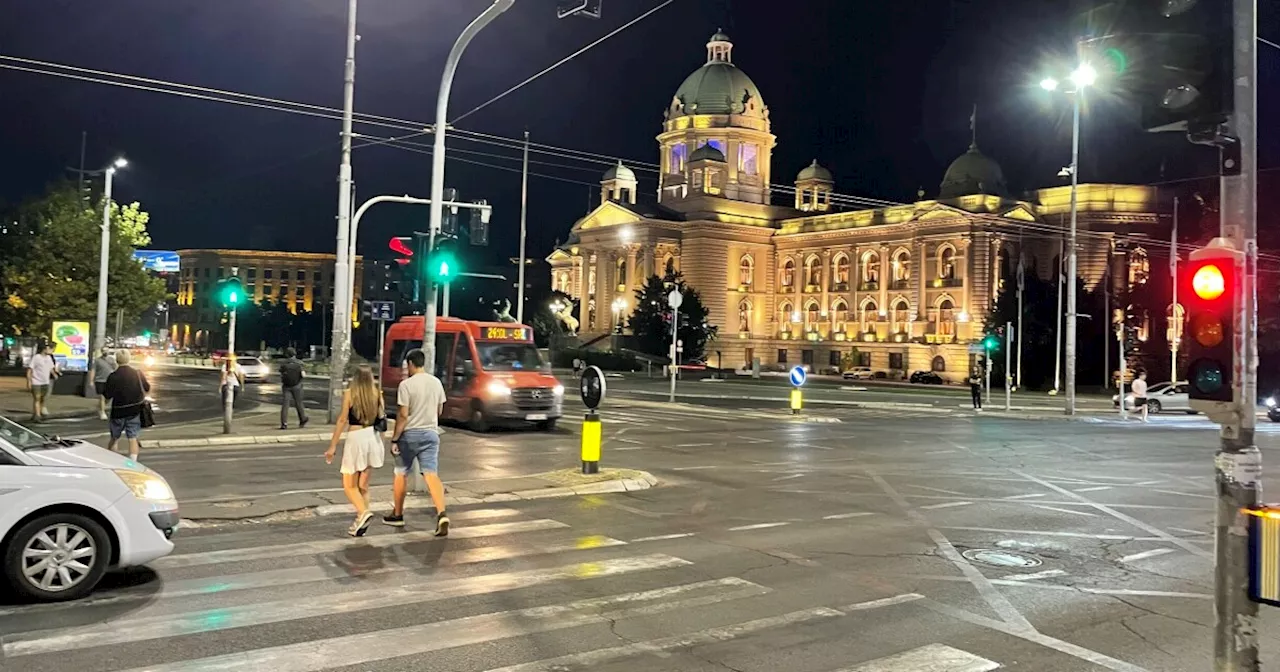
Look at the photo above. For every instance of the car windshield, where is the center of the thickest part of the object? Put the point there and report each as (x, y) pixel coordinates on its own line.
(23, 438)
(510, 357)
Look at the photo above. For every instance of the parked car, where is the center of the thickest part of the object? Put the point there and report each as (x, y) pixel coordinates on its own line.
(70, 510)
(1160, 397)
(255, 370)
(926, 378)
(859, 373)
(1273, 411)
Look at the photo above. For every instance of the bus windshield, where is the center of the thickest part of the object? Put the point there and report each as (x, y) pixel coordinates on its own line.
(510, 357)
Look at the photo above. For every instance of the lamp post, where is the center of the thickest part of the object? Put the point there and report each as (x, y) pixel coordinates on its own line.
(104, 255)
(619, 305)
(343, 265)
(1082, 77)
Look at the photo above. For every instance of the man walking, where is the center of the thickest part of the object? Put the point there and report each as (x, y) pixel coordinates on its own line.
(103, 366)
(975, 389)
(127, 389)
(291, 388)
(1140, 394)
(41, 373)
(419, 401)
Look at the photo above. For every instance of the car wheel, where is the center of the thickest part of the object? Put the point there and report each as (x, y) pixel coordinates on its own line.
(1153, 406)
(546, 425)
(479, 420)
(57, 557)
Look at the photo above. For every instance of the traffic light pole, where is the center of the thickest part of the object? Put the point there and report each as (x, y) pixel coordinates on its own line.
(340, 344)
(1238, 464)
(228, 393)
(1008, 366)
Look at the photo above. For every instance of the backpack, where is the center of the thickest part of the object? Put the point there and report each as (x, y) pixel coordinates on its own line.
(291, 374)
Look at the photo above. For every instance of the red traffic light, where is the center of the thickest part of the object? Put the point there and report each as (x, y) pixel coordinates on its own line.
(1208, 282)
(398, 246)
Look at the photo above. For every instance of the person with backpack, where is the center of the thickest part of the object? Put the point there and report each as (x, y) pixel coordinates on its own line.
(291, 375)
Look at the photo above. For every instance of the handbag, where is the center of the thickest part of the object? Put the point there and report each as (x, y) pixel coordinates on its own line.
(147, 415)
(380, 424)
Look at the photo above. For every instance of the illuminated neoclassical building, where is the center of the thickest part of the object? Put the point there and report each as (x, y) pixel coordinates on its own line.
(902, 288)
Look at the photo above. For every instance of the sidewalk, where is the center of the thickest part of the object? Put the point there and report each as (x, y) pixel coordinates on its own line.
(258, 425)
(15, 401)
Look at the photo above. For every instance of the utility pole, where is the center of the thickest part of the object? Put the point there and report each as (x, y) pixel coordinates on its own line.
(100, 338)
(1021, 286)
(1008, 363)
(1124, 412)
(341, 341)
(1174, 320)
(1238, 464)
(524, 203)
(674, 300)
(84, 141)
(1057, 355)
(1077, 99)
(1106, 320)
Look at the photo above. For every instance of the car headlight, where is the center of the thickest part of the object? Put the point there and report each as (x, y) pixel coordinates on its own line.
(497, 388)
(1270, 402)
(558, 390)
(150, 361)
(146, 486)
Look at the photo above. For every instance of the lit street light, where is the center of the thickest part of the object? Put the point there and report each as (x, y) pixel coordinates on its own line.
(619, 305)
(1049, 84)
(104, 255)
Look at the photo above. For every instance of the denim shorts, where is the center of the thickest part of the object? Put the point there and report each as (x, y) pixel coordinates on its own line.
(130, 427)
(422, 445)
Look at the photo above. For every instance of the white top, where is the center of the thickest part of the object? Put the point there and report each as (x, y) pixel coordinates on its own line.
(42, 368)
(421, 395)
(1139, 388)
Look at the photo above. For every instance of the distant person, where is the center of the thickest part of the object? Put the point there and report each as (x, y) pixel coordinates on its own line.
(232, 377)
(127, 389)
(41, 373)
(419, 399)
(365, 416)
(103, 366)
(1140, 395)
(975, 389)
(291, 388)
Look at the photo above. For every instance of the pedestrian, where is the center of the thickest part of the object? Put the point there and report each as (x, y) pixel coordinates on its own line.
(103, 366)
(127, 390)
(365, 416)
(1140, 394)
(975, 389)
(291, 388)
(231, 377)
(41, 373)
(419, 400)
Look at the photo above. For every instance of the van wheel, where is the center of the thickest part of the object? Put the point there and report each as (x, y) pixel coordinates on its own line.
(479, 421)
(57, 557)
(546, 425)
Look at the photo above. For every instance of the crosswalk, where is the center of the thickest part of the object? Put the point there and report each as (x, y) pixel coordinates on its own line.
(684, 418)
(506, 592)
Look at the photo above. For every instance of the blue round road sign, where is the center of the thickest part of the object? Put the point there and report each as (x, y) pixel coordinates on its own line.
(798, 375)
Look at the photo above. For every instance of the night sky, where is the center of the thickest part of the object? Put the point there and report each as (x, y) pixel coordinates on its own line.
(879, 92)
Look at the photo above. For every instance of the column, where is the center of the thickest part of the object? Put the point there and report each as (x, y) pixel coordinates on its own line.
(886, 277)
(827, 276)
(649, 262)
(580, 283)
(921, 271)
(966, 258)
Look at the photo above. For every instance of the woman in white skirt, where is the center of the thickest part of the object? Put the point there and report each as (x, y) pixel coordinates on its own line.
(363, 414)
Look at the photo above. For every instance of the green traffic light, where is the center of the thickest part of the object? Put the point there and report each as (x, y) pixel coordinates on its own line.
(990, 342)
(444, 266)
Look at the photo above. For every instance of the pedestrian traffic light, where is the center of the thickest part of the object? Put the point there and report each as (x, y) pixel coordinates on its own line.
(442, 264)
(1211, 287)
(401, 246)
(991, 342)
(230, 293)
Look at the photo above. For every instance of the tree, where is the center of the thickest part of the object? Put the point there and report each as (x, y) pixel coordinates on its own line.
(651, 320)
(49, 263)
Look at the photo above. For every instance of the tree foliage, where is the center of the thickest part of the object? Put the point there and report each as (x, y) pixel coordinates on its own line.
(651, 321)
(49, 251)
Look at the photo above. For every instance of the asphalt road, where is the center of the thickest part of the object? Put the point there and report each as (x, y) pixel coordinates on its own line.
(893, 540)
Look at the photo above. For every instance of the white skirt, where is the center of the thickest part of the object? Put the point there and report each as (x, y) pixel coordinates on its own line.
(362, 450)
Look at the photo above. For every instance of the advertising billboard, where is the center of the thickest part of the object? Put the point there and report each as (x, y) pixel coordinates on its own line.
(71, 345)
(157, 261)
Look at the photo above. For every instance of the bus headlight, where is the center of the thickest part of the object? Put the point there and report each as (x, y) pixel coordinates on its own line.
(497, 388)
(558, 390)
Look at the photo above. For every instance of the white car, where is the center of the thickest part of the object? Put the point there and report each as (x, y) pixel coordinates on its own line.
(859, 373)
(255, 371)
(70, 510)
(1160, 397)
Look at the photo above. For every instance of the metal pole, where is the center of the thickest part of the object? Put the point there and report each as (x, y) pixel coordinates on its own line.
(445, 291)
(675, 329)
(1057, 333)
(524, 203)
(1124, 413)
(1071, 255)
(1238, 464)
(1106, 320)
(1021, 286)
(84, 140)
(341, 344)
(100, 338)
(437, 160)
(987, 357)
(1008, 363)
(382, 335)
(228, 395)
(1176, 324)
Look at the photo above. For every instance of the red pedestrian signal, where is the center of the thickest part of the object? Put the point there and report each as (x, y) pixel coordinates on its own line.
(1212, 280)
(399, 245)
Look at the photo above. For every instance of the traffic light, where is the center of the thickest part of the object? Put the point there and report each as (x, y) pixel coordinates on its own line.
(991, 342)
(1212, 291)
(478, 231)
(230, 293)
(449, 216)
(1172, 58)
(401, 246)
(442, 264)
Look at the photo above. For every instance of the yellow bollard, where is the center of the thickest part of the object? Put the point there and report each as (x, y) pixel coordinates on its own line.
(591, 433)
(797, 401)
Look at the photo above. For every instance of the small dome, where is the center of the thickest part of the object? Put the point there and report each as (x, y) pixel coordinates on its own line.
(619, 172)
(718, 87)
(720, 36)
(972, 173)
(814, 172)
(708, 153)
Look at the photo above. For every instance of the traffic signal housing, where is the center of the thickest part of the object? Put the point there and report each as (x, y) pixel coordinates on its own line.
(1211, 284)
(230, 293)
(442, 263)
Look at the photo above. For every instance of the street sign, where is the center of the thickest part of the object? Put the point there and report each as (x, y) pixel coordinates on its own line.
(592, 387)
(977, 348)
(382, 310)
(675, 298)
(798, 375)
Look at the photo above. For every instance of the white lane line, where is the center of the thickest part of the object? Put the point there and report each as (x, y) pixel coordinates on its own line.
(1198, 533)
(1030, 496)
(1143, 483)
(587, 659)
(939, 452)
(332, 545)
(693, 445)
(931, 658)
(130, 630)
(842, 516)
(883, 602)
(1051, 533)
(945, 492)
(364, 648)
(626, 440)
(663, 537)
(786, 478)
(1046, 574)
(1184, 494)
(757, 526)
(1146, 554)
(1095, 488)
(707, 466)
(945, 505)
(1062, 510)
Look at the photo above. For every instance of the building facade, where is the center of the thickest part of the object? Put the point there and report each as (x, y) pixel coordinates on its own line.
(898, 288)
(300, 281)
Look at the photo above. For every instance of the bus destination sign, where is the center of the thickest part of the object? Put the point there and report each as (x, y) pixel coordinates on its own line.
(506, 334)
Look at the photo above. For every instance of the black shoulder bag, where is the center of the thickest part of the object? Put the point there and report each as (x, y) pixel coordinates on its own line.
(147, 415)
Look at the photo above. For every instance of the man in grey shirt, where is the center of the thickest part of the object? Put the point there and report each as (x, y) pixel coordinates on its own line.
(103, 366)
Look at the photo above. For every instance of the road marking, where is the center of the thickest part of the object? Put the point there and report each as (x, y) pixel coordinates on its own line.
(1143, 483)
(945, 492)
(945, 505)
(693, 445)
(1046, 574)
(939, 452)
(707, 466)
(128, 630)
(757, 526)
(1146, 554)
(1061, 510)
(1096, 488)
(1198, 533)
(842, 516)
(1184, 494)
(663, 537)
(1030, 496)
(931, 658)
(1048, 533)
(883, 602)
(787, 477)
(368, 647)
(332, 545)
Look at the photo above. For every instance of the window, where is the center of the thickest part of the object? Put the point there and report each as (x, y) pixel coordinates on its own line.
(252, 273)
(284, 275)
(591, 281)
(747, 158)
(946, 318)
(901, 266)
(806, 357)
(870, 315)
(870, 268)
(444, 355)
(621, 275)
(939, 363)
(266, 274)
(840, 314)
(947, 263)
(510, 357)
(718, 144)
(1139, 267)
(901, 315)
(744, 317)
(812, 272)
(677, 157)
(788, 273)
(833, 358)
(895, 361)
(782, 355)
(221, 271)
(811, 314)
(840, 269)
(669, 266)
(746, 270)
(302, 276)
(208, 272)
(785, 317)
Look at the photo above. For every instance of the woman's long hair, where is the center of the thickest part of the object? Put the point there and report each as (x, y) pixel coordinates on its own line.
(366, 397)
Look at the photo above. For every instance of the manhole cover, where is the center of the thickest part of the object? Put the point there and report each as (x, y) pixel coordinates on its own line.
(234, 504)
(1001, 558)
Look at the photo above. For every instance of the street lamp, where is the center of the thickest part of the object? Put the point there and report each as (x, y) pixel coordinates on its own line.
(619, 305)
(104, 255)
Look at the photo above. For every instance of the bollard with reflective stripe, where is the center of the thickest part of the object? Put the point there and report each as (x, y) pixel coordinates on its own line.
(797, 401)
(591, 435)
(1264, 555)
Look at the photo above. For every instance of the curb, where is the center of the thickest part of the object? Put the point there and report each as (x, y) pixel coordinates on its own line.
(237, 439)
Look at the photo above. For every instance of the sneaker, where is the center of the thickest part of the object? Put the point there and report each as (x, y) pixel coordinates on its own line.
(393, 520)
(303, 422)
(442, 525)
(361, 524)
(284, 426)
(102, 416)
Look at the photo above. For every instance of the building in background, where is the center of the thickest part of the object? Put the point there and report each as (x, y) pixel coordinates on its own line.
(299, 281)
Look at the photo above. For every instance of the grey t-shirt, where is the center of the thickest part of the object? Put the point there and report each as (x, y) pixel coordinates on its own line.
(102, 367)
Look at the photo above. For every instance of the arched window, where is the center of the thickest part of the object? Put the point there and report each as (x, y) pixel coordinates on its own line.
(669, 265)
(947, 262)
(901, 316)
(901, 266)
(785, 315)
(946, 318)
(840, 270)
(620, 278)
(870, 268)
(812, 313)
(746, 270)
(938, 364)
(812, 272)
(562, 283)
(839, 314)
(1139, 267)
(788, 278)
(870, 315)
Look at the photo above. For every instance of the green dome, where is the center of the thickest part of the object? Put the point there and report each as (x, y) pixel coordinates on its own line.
(718, 87)
(814, 172)
(972, 173)
(708, 153)
(619, 172)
